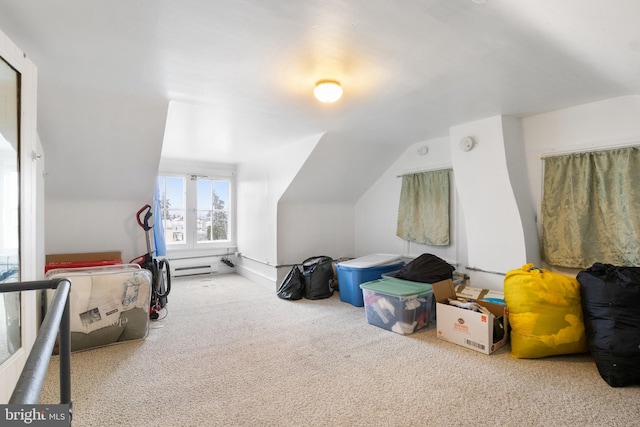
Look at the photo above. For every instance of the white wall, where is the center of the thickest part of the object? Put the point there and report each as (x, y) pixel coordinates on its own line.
(260, 185)
(40, 214)
(74, 226)
(517, 167)
(312, 229)
(495, 233)
(376, 212)
(482, 184)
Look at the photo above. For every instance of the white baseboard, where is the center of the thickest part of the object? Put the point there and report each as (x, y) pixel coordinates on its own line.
(254, 276)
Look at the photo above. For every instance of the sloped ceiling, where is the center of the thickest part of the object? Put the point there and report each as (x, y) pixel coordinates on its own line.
(230, 79)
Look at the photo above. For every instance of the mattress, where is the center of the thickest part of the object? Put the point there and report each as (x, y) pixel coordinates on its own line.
(107, 304)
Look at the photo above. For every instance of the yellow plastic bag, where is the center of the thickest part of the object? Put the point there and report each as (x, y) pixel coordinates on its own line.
(545, 313)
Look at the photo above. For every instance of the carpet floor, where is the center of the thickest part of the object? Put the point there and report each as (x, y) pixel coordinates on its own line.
(230, 353)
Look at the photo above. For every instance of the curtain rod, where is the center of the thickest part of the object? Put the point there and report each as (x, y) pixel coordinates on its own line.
(425, 170)
(636, 142)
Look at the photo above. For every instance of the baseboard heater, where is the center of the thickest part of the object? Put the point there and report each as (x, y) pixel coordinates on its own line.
(193, 266)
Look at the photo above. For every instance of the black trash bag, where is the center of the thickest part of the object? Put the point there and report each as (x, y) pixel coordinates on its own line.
(292, 287)
(610, 297)
(427, 268)
(318, 277)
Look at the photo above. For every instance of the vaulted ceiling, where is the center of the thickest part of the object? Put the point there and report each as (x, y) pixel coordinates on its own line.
(122, 81)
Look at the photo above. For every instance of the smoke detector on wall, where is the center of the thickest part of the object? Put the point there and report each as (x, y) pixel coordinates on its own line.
(466, 143)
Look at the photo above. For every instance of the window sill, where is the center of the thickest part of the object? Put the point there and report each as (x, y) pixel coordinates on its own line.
(215, 249)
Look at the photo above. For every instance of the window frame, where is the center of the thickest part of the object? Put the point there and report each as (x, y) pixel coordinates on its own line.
(191, 246)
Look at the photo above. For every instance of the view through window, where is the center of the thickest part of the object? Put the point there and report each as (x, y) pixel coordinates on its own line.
(195, 209)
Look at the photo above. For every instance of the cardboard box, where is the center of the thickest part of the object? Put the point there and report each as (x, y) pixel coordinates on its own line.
(471, 329)
(81, 260)
(463, 291)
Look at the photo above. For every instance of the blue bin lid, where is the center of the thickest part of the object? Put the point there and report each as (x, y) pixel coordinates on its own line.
(378, 268)
(373, 260)
(399, 288)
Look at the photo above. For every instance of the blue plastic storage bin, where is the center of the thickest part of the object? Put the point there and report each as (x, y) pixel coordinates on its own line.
(351, 274)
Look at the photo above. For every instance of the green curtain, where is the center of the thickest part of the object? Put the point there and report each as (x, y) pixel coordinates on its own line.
(591, 208)
(423, 214)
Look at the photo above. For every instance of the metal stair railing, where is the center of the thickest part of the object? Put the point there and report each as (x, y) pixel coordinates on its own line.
(56, 320)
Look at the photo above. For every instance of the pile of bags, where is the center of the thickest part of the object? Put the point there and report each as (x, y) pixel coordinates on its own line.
(313, 279)
(597, 312)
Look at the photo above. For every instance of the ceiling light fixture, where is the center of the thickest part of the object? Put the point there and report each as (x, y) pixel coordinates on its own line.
(327, 91)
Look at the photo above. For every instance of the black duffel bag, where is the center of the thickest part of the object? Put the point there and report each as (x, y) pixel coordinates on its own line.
(318, 276)
(427, 268)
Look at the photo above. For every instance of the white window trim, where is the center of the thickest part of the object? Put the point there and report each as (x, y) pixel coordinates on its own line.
(209, 171)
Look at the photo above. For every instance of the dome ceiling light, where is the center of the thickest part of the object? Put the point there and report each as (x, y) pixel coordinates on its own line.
(327, 91)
